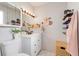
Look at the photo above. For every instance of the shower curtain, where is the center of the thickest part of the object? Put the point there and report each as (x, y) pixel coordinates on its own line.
(72, 47)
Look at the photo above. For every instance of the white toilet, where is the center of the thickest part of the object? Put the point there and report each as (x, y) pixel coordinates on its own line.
(12, 48)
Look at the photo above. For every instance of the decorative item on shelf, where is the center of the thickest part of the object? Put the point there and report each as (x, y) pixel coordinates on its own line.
(13, 22)
(28, 13)
(17, 21)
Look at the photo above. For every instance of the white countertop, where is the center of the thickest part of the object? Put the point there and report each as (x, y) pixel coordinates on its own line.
(30, 35)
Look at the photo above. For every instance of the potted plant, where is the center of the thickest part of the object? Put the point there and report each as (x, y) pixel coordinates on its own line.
(16, 33)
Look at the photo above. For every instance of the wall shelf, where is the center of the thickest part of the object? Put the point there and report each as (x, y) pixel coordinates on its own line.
(13, 26)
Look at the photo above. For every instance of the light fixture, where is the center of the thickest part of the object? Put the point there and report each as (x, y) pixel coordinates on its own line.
(28, 13)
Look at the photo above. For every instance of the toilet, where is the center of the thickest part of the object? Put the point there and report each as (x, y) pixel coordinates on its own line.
(12, 48)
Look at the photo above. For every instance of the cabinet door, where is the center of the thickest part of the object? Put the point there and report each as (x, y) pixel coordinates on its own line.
(38, 45)
(26, 45)
(35, 44)
(33, 47)
(34, 52)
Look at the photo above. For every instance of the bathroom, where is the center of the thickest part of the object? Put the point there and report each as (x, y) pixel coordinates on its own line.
(33, 28)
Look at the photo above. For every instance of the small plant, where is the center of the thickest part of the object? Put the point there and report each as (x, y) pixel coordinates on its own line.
(16, 30)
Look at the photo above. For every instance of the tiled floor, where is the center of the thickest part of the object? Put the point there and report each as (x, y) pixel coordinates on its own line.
(46, 53)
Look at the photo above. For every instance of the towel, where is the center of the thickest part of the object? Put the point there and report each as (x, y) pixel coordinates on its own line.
(72, 47)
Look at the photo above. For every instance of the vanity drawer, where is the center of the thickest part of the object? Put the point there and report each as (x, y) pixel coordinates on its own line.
(35, 43)
(36, 47)
(39, 46)
(34, 51)
(33, 47)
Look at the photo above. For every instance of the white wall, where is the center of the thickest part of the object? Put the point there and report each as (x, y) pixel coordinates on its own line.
(54, 32)
(73, 5)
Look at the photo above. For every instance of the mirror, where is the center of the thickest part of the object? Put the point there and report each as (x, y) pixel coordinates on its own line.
(9, 15)
(27, 24)
(26, 19)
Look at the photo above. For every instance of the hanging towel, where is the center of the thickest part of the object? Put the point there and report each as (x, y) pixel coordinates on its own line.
(72, 47)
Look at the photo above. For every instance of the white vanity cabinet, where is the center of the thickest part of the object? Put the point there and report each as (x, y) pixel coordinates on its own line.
(31, 44)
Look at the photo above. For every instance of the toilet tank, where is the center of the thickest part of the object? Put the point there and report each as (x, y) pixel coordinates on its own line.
(11, 47)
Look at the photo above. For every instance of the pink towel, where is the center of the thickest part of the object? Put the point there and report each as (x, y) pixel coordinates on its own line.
(72, 35)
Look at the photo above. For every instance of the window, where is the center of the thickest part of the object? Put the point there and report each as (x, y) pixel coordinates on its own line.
(1, 17)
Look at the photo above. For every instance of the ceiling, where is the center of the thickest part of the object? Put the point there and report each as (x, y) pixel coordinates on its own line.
(38, 3)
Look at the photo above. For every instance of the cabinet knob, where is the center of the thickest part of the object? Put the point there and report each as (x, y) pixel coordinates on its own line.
(38, 40)
(34, 44)
(35, 52)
